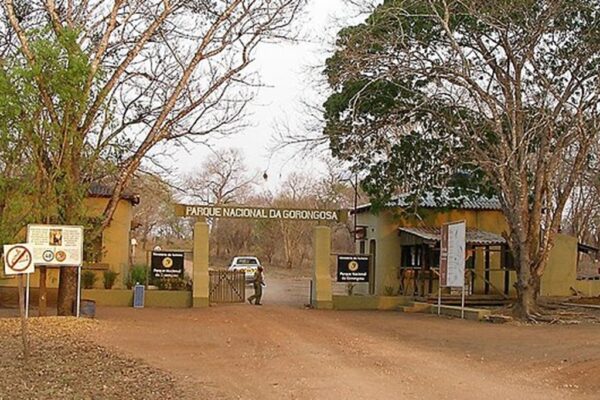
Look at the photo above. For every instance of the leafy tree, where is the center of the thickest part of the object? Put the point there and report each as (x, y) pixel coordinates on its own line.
(478, 96)
(96, 80)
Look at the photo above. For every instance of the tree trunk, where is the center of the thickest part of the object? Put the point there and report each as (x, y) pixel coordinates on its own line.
(528, 287)
(67, 291)
(42, 302)
(526, 307)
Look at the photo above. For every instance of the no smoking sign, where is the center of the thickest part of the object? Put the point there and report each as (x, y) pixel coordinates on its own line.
(18, 259)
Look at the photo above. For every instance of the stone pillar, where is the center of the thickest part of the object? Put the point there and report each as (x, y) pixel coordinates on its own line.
(201, 280)
(321, 283)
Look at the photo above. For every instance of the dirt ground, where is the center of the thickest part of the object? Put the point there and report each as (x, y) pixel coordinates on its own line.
(64, 365)
(284, 351)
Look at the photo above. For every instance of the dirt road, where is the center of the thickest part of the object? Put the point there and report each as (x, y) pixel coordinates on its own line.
(286, 352)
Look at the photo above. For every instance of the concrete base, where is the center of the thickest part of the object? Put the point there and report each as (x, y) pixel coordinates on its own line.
(473, 314)
(382, 303)
(323, 305)
(152, 298)
(200, 302)
(417, 308)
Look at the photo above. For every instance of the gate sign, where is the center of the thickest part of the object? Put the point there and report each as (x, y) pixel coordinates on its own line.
(56, 245)
(452, 254)
(292, 214)
(353, 268)
(18, 259)
(167, 264)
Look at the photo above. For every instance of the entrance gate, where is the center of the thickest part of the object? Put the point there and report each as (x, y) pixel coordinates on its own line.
(321, 296)
(227, 286)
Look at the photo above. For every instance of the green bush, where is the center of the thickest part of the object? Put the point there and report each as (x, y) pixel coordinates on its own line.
(109, 279)
(88, 278)
(184, 283)
(137, 274)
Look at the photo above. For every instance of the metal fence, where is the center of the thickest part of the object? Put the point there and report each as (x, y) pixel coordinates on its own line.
(227, 286)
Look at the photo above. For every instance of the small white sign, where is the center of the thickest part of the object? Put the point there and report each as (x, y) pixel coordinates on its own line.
(18, 259)
(56, 245)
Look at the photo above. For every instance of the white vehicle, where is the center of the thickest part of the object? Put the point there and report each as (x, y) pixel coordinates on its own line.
(247, 264)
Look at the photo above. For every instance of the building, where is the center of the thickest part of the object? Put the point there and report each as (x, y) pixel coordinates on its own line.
(405, 249)
(112, 247)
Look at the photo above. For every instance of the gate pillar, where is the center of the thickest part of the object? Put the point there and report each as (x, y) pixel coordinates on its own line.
(200, 279)
(321, 296)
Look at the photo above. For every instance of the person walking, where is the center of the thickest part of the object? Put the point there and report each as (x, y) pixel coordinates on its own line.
(258, 283)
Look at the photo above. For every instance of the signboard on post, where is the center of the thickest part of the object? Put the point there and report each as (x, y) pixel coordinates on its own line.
(292, 214)
(353, 268)
(452, 260)
(18, 259)
(452, 254)
(167, 264)
(56, 245)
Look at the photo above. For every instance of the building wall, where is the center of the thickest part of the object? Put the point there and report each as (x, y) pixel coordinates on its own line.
(115, 242)
(559, 276)
(561, 272)
(116, 238)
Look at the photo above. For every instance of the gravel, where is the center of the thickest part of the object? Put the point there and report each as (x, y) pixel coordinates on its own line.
(65, 365)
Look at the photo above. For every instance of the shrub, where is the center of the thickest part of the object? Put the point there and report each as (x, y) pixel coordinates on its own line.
(137, 274)
(184, 283)
(109, 279)
(88, 278)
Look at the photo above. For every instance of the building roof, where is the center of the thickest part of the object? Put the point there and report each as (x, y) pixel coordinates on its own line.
(444, 200)
(102, 190)
(474, 237)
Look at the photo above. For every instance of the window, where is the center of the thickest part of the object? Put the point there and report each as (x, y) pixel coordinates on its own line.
(412, 256)
(247, 261)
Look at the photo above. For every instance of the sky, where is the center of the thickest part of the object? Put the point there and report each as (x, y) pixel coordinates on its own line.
(290, 73)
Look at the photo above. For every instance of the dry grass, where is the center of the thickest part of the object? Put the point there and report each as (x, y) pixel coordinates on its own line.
(64, 365)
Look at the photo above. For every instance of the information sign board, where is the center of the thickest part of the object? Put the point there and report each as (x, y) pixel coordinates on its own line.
(452, 254)
(56, 245)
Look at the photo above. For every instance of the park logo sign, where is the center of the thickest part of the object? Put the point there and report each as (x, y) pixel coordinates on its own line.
(167, 264)
(352, 268)
(18, 259)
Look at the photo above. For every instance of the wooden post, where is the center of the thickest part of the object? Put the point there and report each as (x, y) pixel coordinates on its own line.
(487, 270)
(42, 302)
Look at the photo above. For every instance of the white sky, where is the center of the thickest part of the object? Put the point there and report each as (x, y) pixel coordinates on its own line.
(289, 72)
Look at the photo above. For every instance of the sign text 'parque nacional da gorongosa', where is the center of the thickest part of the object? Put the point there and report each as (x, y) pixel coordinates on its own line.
(261, 213)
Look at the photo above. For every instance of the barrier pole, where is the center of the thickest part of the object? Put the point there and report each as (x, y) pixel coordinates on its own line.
(78, 289)
(27, 298)
(439, 299)
(462, 302)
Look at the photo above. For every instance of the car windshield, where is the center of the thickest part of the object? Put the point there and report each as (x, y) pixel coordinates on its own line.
(247, 261)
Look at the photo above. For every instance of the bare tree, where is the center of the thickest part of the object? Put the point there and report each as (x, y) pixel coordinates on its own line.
(222, 179)
(154, 217)
(126, 76)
